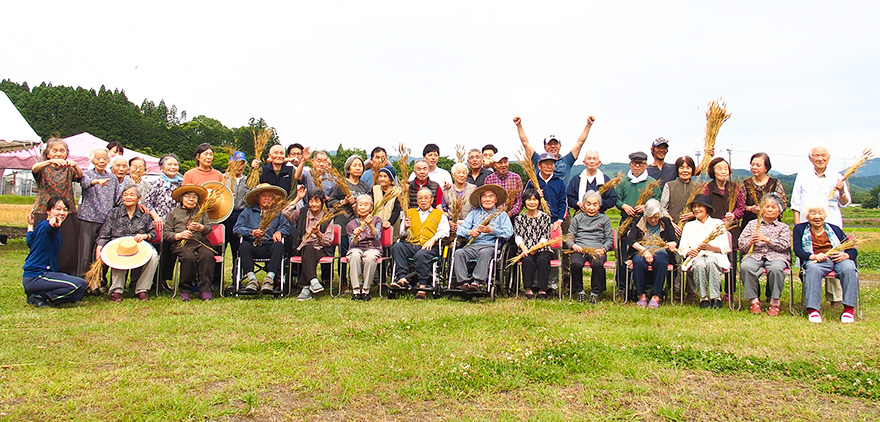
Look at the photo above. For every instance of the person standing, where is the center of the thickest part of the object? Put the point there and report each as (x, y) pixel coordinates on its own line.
(815, 186)
(589, 180)
(509, 181)
(476, 172)
(378, 160)
(275, 172)
(203, 172)
(552, 146)
(659, 169)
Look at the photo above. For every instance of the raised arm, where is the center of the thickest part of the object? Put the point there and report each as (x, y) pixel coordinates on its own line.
(522, 137)
(307, 155)
(576, 149)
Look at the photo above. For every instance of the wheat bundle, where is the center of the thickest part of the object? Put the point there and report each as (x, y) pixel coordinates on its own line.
(757, 227)
(646, 193)
(261, 139)
(403, 180)
(529, 168)
(849, 243)
(512, 194)
(611, 183)
(455, 208)
(340, 181)
(752, 190)
(695, 190)
(716, 115)
(584, 250)
(138, 174)
(487, 220)
(460, 153)
(654, 243)
(93, 275)
(866, 155)
(717, 231)
(732, 194)
(556, 241)
(390, 196)
(210, 200)
(327, 217)
(269, 214)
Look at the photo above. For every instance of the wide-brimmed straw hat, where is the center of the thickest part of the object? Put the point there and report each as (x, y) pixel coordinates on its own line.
(222, 206)
(125, 253)
(251, 198)
(703, 200)
(178, 193)
(500, 195)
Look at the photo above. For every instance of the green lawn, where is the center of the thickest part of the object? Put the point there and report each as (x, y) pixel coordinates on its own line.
(332, 359)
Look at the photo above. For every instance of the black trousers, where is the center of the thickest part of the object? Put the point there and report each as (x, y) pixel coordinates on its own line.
(274, 251)
(194, 259)
(310, 258)
(536, 264)
(597, 277)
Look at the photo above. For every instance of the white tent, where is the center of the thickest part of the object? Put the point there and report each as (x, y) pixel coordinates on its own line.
(15, 132)
(80, 147)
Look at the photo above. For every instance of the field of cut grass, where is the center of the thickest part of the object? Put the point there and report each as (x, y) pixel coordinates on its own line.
(334, 359)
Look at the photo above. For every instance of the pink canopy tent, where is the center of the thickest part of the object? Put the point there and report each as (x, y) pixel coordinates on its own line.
(80, 147)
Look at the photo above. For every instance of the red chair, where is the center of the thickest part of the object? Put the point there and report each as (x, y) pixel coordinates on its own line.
(217, 240)
(385, 238)
(330, 259)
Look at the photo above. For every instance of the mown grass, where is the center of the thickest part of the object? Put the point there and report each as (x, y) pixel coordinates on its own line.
(329, 359)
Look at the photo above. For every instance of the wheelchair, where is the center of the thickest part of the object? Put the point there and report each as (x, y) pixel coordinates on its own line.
(493, 287)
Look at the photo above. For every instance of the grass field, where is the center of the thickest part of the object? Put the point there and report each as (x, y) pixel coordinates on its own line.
(334, 359)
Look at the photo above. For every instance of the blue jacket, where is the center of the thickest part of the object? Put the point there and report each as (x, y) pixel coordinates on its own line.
(501, 226)
(609, 198)
(554, 194)
(250, 220)
(797, 241)
(44, 242)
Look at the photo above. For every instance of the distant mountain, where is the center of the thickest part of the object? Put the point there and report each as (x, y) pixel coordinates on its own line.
(871, 168)
(864, 182)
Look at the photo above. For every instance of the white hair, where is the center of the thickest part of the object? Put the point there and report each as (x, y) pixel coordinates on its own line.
(591, 193)
(457, 166)
(815, 204)
(652, 207)
(97, 150)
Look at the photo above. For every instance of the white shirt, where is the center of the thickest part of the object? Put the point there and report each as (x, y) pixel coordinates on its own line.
(810, 187)
(439, 176)
(695, 232)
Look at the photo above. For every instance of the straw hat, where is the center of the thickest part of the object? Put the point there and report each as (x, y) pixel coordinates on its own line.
(177, 193)
(125, 253)
(222, 207)
(500, 195)
(251, 198)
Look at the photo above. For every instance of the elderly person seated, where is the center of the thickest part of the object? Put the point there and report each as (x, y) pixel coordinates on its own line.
(421, 229)
(189, 243)
(651, 239)
(818, 245)
(592, 238)
(314, 233)
(125, 222)
(706, 261)
(531, 228)
(43, 283)
(365, 240)
(483, 225)
(765, 247)
(259, 200)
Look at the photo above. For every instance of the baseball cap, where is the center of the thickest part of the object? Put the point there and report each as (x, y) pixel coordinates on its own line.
(660, 141)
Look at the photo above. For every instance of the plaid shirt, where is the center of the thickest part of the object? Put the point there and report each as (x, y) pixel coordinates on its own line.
(779, 248)
(119, 225)
(511, 182)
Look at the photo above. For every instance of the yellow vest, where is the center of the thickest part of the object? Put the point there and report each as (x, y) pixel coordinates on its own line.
(420, 232)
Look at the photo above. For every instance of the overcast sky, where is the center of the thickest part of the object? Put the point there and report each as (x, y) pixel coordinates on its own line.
(794, 74)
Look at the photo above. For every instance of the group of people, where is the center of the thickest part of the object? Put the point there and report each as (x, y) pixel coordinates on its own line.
(668, 220)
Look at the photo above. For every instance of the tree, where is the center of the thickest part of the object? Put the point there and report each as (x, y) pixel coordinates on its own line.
(873, 200)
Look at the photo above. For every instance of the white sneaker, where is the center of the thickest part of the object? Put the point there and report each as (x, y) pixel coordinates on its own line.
(315, 286)
(815, 317)
(306, 294)
(847, 318)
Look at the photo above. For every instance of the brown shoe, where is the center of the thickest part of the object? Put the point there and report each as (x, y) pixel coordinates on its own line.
(143, 296)
(773, 311)
(421, 295)
(116, 297)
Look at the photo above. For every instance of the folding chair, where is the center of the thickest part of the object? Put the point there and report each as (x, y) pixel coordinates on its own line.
(329, 259)
(385, 239)
(669, 277)
(217, 240)
(830, 275)
(725, 274)
(260, 265)
(517, 276)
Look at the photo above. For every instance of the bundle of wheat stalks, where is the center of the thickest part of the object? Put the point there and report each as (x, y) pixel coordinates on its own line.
(210, 200)
(716, 115)
(455, 208)
(697, 188)
(717, 231)
(269, 214)
(529, 168)
(646, 193)
(233, 166)
(512, 194)
(654, 243)
(757, 227)
(752, 192)
(93, 275)
(611, 183)
(849, 243)
(327, 217)
(138, 174)
(390, 196)
(403, 179)
(339, 179)
(866, 155)
(554, 242)
(261, 139)
(460, 153)
(732, 194)
(488, 220)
